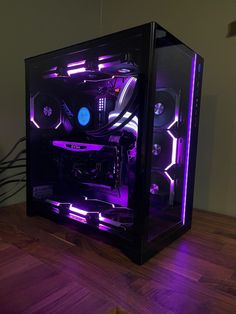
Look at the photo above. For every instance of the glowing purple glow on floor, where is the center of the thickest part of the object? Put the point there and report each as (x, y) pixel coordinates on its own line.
(191, 96)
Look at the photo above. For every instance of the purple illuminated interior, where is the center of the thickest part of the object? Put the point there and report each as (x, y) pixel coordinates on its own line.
(84, 115)
(89, 107)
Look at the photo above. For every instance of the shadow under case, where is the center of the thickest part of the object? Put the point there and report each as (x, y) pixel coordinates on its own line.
(112, 129)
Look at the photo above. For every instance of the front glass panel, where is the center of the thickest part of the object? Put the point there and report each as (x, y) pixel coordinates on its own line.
(175, 70)
(83, 131)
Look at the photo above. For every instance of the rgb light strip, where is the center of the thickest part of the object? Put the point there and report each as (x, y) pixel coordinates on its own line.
(191, 97)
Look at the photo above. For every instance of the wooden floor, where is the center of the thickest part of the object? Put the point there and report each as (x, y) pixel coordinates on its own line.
(43, 271)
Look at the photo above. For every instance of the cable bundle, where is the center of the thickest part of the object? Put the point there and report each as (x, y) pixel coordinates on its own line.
(109, 128)
(14, 180)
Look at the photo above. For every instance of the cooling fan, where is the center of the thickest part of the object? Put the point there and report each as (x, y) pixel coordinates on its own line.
(164, 108)
(118, 216)
(160, 188)
(161, 149)
(45, 111)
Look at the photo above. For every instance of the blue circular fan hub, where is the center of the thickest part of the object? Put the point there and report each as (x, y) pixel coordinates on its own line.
(83, 116)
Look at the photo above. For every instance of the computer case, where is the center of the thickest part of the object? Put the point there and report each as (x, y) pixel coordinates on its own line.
(112, 128)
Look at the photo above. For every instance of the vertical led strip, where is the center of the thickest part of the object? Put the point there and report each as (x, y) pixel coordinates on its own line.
(191, 96)
(32, 113)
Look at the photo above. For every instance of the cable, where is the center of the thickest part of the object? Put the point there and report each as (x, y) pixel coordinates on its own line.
(118, 127)
(6, 162)
(11, 162)
(22, 139)
(12, 167)
(122, 113)
(11, 181)
(12, 188)
(12, 176)
(1, 201)
(114, 121)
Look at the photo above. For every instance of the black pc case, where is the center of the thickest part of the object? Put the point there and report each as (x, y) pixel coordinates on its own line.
(112, 128)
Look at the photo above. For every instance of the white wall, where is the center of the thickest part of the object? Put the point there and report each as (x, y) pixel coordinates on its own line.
(28, 28)
(31, 27)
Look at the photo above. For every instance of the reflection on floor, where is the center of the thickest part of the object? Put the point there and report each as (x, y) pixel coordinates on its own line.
(50, 268)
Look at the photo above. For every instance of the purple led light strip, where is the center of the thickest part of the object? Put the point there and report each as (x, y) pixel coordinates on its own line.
(77, 210)
(173, 155)
(104, 57)
(174, 143)
(77, 70)
(74, 64)
(193, 72)
(76, 213)
(32, 113)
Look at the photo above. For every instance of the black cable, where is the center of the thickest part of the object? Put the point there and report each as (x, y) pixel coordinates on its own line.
(18, 181)
(11, 181)
(11, 162)
(22, 139)
(120, 116)
(1, 201)
(12, 176)
(7, 162)
(12, 167)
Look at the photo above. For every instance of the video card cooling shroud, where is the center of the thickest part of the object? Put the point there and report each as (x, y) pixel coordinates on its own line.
(112, 129)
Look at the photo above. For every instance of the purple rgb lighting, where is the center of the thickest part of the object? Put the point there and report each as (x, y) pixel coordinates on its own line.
(75, 71)
(101, 66)
(57, 126)
(35, 123)
(109, 221)
(173, 155)
(76, 146)
(32, 113)
(104, 58)
(74, 64)
(174, 144)
(186, 170)
(77, 210)
(51, 75)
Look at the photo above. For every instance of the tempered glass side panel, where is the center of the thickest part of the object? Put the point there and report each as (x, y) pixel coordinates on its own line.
(175, 68)
(84, 120)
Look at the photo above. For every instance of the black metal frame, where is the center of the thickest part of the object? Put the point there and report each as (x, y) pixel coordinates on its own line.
(140, 249)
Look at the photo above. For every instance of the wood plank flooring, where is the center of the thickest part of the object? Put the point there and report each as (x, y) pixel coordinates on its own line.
(49, 268)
